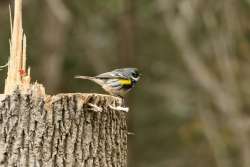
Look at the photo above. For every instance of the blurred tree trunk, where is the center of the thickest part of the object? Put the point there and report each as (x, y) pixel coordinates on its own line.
(62, 130)
(55, 28)
(127, 31)
(219, 79)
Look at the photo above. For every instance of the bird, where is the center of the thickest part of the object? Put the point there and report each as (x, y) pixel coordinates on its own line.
(117, 82)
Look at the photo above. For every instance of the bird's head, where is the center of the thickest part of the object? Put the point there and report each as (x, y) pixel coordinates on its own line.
(135, 74)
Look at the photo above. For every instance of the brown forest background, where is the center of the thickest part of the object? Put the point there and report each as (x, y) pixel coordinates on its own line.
(191, 108)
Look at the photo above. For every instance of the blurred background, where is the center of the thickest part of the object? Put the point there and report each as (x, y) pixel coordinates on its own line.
(191, 108)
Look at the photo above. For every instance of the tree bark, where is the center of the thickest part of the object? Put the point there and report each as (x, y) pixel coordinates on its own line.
(62, 130)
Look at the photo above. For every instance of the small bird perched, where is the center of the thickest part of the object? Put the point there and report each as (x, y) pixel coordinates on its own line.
(117, 82)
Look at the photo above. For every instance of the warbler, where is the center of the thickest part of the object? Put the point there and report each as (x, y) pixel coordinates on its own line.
(117, 82)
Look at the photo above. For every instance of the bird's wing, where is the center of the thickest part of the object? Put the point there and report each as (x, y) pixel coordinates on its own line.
(110, 75)
(113, 75)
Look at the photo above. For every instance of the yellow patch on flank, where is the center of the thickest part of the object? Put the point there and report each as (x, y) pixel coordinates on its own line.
(125, 81)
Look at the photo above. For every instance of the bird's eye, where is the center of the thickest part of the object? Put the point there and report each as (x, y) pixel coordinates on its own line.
(135, 75)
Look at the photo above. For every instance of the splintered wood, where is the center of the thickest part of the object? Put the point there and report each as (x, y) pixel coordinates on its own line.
(17, 73)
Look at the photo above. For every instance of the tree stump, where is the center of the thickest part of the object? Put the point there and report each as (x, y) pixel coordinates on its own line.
(36, 130)
(62, 130)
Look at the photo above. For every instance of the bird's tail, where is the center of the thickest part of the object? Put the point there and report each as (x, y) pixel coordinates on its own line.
(84, 77)
(96, 80)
